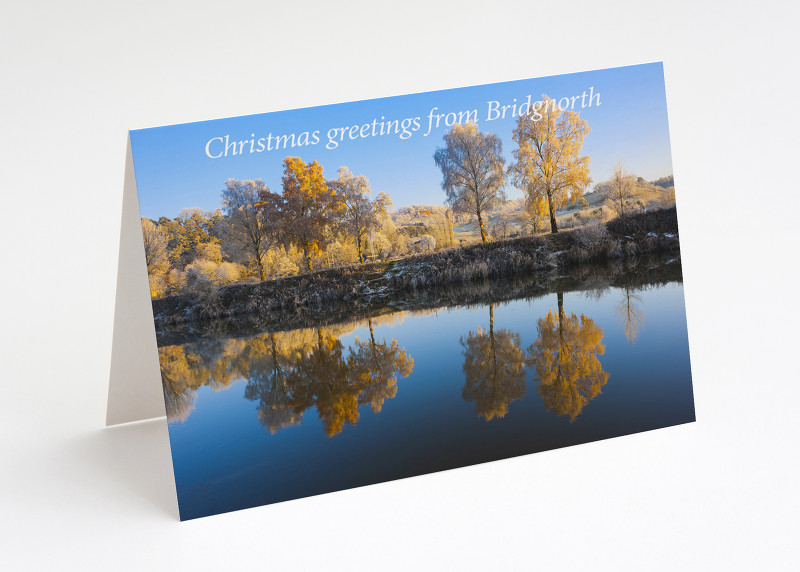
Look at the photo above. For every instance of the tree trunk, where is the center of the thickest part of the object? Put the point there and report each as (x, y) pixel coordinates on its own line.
(448, 216)
(553, 224)
(274, 349)
(480, 223)
(261, 269)
(360, 253)
(308, 258)
(492, 342)
(560, 308)
(560, 324)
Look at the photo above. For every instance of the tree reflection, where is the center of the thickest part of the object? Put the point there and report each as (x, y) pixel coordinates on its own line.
(375, 366)
(178, 396)
(565, 356)
(494, 365)
(267, 371)
(630, 315)
(337, 385)
(288, 372)
(321, 379)
(184, 370)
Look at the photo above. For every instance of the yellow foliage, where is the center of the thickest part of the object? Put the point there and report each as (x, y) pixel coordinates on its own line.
(494, 366)
(567, 367)
(549, 164)
(288, 372)
(309, 206)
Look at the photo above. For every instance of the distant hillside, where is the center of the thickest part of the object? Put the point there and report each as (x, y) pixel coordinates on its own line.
(504, 222)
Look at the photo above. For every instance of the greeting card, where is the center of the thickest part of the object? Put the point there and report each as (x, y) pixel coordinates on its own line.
(338, 296)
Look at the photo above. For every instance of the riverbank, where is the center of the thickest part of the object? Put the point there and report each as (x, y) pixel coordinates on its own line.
(571, 260)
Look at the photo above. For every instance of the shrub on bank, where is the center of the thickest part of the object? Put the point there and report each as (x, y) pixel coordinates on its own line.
(593, 241)
(656, 221)
(471, 263)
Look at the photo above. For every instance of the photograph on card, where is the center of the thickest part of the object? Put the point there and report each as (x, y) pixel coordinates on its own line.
(355, 293)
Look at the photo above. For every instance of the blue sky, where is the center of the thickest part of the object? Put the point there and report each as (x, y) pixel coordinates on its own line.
(174, 171)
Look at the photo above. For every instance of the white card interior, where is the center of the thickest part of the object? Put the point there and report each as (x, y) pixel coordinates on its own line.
(134, 390)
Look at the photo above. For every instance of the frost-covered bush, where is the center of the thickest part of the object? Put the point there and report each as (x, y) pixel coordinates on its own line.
(379, 244)
(592, 237)
(426, 243)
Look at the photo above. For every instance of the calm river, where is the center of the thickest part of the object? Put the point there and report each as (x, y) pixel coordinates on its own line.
(284, 415)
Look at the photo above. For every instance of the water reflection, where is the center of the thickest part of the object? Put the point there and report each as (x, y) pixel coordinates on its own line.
(186, 368)
(629, 313)
(336, 385)
(269, 365)
(375, 367)
(510, 372)
(494, 366)
(287, 373)
(565, 357)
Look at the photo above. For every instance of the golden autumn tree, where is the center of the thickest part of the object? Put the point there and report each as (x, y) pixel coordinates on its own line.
(533, 215)
(188, 233)
(473, 171)
(155, 247)
(374, 367)
(549, 165)
(565, 357)
(309, 207)
(360, 214)
(494, 366)
(156, 255)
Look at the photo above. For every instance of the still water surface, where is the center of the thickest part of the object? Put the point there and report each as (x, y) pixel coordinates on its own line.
(280, 416)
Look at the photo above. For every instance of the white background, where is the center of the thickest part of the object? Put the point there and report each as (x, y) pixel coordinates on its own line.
(717, 494)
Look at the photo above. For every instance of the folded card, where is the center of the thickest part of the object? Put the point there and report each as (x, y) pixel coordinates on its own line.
(343, 295)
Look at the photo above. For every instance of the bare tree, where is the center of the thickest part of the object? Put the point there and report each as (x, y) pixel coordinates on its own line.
(252, 218)
(621, 188)
(360, 215)
(473, 171)
(501, 227)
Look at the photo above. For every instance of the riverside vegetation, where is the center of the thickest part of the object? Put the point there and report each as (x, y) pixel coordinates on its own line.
(576, 259)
